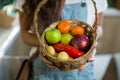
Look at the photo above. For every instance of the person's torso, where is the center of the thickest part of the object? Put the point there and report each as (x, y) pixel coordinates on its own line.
(70, 11)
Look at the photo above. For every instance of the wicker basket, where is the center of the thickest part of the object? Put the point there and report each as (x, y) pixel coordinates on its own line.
(67, 65)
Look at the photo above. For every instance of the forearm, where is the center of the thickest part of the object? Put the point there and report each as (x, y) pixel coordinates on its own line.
(29, 38)
(99, 18)
(99, 24)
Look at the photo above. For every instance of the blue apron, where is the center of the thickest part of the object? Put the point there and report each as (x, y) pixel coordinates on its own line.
(41, 71)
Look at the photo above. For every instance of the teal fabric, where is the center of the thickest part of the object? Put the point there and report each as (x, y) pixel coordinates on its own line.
(41, 71)
(6, 2)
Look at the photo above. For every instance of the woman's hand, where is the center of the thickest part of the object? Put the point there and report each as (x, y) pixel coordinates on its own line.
(27, 33)
(48, 62)
(91, 59)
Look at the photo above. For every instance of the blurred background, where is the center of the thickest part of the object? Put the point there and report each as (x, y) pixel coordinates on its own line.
(13, 51)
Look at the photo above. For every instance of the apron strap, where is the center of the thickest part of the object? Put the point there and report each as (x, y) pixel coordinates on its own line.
(26, 66)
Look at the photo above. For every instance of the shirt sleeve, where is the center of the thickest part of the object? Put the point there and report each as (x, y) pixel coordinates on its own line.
(101, 5)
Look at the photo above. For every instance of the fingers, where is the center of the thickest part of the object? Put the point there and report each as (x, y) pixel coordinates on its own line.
(83, 67)
(51, 66)
(91, 59)
(45, 60)
(95, 45)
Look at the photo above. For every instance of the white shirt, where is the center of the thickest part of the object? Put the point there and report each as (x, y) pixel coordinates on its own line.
(101, 6)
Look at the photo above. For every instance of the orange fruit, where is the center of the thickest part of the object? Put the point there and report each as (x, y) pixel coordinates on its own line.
(70, 58)
(64, 26)
(77, 30)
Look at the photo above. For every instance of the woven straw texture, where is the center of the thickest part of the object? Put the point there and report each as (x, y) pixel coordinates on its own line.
(65, 65)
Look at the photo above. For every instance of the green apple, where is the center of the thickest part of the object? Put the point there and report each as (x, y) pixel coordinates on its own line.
(53, 36)
(62, 55)
(66, 38)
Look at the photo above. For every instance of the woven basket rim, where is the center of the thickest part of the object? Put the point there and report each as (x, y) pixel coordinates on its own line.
(42, 43)
(43, 2)
(70, 20)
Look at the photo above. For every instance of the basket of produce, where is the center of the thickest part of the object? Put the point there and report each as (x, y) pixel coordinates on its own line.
(67, 44)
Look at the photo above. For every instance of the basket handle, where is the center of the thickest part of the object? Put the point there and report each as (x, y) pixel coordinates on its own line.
(95, 22)
(40, 4)
(43, 2)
